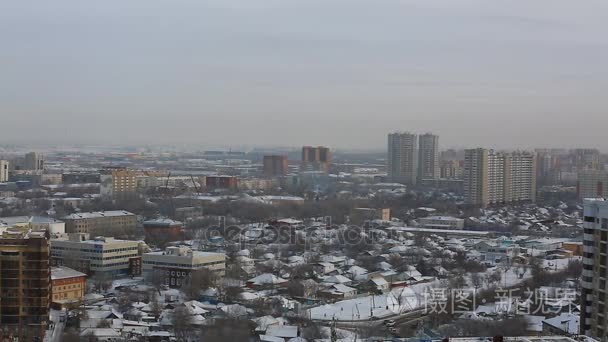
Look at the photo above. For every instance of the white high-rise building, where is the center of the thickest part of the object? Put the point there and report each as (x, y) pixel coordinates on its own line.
(428, 157)
(520, 177)
(403, 158)
(493, 177)
(4, 166)
(595, 262)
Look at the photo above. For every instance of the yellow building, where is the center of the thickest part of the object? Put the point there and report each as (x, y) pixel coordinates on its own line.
(118, 183)
(100, 222)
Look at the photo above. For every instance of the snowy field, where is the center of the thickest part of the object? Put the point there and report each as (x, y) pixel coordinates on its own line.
(412, 297)
(396, 302)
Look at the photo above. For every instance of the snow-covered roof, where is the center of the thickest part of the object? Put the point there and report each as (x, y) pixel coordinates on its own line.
(266, 279)
(61, 272)
(285, 331)
(98, 214)
(268, 338)
(100, 332)
(264, 322)
(337, 279)
(567, 322)
(357, 270)
(343, 288)
(379, 281)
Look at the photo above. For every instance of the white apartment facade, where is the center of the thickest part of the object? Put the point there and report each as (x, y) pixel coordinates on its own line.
(176, 264)
(91, 222)
(492, 177)
(594, 313)
(441, 222)
(4, 167)
(101, 254)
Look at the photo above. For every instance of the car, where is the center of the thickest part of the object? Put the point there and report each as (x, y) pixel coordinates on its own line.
(389, 323)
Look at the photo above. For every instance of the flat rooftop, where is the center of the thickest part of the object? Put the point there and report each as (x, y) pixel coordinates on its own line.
(439, 231)
(98, 214)
(61, 272)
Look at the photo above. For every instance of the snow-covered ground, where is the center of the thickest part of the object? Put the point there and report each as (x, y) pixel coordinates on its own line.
(511, 278)
(364, 308)
(412, 297)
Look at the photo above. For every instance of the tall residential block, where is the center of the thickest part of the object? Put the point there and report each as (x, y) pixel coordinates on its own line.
(520, 177)
(428, 157)
(117, 183)
(4, 167)
(475, 176)
(25, 285)
(493, 177)
(403, 158)
(315, 158)
(592, 184)
(594, 287)
(34, 161)
(275, 166)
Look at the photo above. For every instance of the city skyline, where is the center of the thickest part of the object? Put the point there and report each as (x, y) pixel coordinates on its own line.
(303, 170)
(475, 73)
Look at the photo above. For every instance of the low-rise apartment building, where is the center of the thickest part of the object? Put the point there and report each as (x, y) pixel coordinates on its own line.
(441, 222)
(67, 286)
(35, 223)
(176, 264)
(99, 255)
(164, 228)
(98, 222)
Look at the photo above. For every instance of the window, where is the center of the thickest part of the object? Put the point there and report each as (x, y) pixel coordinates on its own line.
(589, 219)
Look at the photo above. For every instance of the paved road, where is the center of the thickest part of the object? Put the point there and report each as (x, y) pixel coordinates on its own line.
(55, 334)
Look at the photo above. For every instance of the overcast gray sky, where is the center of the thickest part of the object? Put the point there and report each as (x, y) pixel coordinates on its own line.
(344, 73)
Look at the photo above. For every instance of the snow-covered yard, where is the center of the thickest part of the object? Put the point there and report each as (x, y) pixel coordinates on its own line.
(397, 301)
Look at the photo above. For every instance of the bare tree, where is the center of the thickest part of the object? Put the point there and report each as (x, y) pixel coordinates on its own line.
(198, 281)
(468, 327)
(476, 280)
(457, 282)
(125, 299)
(102, 281)
(155, 307)
(70, 335)
(228, 329)
(232, 292)
(312, 331)
(182, 322)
